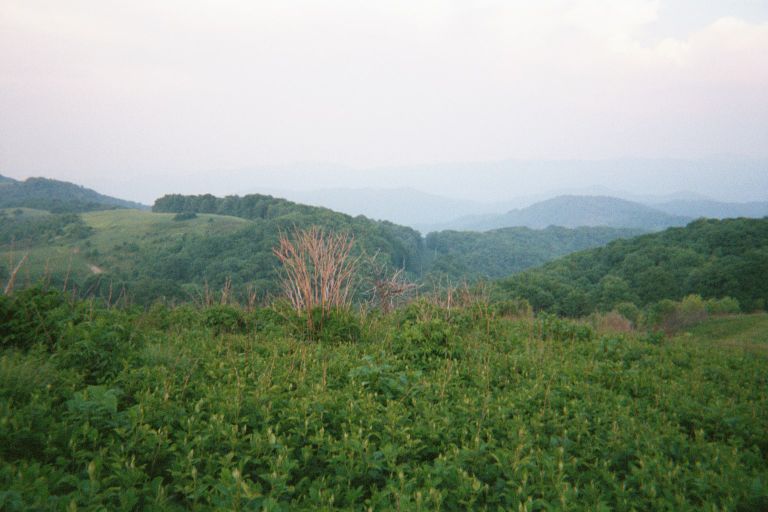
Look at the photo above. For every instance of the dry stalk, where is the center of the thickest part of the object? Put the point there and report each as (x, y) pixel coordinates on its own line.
(226, 291)
(12, 279)
(317, 271)
(389, 290)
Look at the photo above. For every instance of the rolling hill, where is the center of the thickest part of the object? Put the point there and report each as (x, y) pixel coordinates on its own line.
(501, 252)
(160, 254)
(712, 258)
(157, 254)
(57, 196)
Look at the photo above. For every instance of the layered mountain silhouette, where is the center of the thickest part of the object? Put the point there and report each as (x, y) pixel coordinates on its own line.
(574, 211)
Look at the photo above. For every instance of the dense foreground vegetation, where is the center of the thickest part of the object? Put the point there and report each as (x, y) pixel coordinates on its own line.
(426, 408)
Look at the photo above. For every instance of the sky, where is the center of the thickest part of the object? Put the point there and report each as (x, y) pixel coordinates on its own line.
(146, 97)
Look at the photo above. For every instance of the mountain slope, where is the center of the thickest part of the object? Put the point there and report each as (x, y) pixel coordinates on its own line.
(57, 196)
(712, 258)
(576, 211)
(501, 252)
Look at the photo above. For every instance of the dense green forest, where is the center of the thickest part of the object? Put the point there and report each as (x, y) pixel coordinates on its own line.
(56, 196)
(401, 245)
(501, 252)
(712, 258)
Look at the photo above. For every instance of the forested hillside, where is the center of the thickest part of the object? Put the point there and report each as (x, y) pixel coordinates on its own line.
(402, 246)
(56, 196)
(499, 253)
(713, 258)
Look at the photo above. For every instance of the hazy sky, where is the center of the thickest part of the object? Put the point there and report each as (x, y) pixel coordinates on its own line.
(103, 92)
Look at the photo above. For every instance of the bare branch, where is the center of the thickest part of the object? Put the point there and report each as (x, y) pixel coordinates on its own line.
(12, 279)
(317, 270)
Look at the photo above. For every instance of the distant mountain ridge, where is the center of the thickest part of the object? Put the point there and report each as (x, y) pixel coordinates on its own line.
(404, 205)
(572, 212)
(714, 209)
(57, 196)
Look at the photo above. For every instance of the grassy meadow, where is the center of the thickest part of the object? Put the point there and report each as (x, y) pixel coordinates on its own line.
(115, 236)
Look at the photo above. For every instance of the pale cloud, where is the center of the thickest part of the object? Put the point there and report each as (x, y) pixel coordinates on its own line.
(188, 85)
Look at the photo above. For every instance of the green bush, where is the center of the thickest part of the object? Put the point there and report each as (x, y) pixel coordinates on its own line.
(672, 316)
(629, 311)
(551, 327)
(513, 308)
(185, 216)
(338, 326)
(224, 319)
(35, 316)
(724, 306)
(98, 349)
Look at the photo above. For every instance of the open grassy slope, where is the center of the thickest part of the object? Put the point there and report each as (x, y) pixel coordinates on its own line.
(741, 332)
(24, 212)
(118, 236)
(116, 227)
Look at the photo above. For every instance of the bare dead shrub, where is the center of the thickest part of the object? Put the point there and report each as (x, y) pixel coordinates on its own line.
(318, 271)
(390, 288)
(611, 322)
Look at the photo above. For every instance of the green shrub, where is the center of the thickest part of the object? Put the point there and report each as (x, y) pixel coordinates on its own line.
(513, 308)
(629, 311)
(35, 316)
(98, 349)
(224, 319)
(724, 306)
(338, 325)
(671, 316)
(185, 216)
(551, 327)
